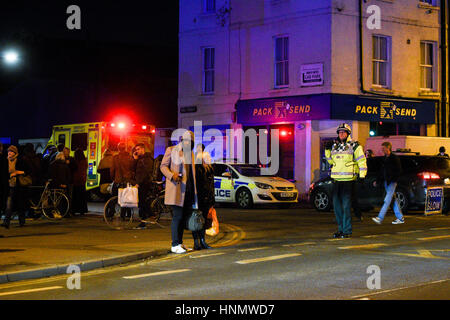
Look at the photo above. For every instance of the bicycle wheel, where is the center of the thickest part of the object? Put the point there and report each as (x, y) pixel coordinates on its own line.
(55, 205)
(160, 209)
(115, 216)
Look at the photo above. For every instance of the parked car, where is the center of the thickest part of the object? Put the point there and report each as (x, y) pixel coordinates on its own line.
(419, 172)
(244, 185)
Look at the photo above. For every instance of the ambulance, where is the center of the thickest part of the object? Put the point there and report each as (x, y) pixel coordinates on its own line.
(96, 137)
(244, 185)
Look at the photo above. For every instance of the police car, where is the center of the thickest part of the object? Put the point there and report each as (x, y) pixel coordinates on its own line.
(244, 185)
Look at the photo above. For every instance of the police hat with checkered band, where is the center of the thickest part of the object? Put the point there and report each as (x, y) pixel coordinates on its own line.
(344, 127)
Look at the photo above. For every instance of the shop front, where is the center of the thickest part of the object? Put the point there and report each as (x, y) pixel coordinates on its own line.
(306, 123)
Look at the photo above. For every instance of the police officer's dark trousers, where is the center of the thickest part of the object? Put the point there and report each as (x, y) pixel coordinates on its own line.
(342, 203)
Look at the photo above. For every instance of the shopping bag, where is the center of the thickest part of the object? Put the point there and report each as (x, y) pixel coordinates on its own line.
(128, 197)
(214, 230)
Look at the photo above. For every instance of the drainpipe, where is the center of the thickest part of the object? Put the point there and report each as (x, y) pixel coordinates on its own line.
(443, 114)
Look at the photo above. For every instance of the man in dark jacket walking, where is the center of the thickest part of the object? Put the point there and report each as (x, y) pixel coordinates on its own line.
(143, 176)
(390, 172)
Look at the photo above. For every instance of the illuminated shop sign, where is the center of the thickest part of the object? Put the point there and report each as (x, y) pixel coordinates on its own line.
(298, 108)
(368, 109)
(334, 106)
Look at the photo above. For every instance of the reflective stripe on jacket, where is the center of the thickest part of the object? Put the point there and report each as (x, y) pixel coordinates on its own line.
(347, 161)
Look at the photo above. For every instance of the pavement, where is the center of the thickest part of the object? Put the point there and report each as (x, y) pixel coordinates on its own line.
(44, 248)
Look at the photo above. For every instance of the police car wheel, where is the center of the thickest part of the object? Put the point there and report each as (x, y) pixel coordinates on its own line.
(321, 201)
(244, 198)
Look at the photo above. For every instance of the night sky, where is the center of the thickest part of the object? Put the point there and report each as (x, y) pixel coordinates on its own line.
(124, 59)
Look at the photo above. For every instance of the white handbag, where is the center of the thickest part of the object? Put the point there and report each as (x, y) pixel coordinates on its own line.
(128, 197)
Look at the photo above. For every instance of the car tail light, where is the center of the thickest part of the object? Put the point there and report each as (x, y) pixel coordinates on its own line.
(429, 175)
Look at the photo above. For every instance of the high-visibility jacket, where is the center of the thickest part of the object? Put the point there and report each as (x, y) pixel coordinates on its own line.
(347, 160)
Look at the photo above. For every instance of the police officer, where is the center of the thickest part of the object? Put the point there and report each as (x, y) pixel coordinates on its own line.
(347, 159)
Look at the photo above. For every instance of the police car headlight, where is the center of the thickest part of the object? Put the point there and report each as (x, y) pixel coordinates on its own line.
(263, 185)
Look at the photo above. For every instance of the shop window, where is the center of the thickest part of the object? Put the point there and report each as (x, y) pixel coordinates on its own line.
(286, 148)
(381, 128)
(79, 140)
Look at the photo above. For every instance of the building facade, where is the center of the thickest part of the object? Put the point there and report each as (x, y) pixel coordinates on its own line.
(304, 67)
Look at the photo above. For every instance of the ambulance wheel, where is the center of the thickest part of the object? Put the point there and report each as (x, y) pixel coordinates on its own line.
(244, 198)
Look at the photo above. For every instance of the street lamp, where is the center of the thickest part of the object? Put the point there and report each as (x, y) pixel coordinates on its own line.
(10, 57)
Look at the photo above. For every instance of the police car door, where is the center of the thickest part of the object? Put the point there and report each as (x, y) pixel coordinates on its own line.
(223, 183)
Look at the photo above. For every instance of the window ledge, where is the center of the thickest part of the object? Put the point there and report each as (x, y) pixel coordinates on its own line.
(424, 5)
(278, 90)
(426, 93)
(381, 90)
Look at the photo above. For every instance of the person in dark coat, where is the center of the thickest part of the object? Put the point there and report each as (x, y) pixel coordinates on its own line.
(73, 167)
(143, 177)
(123, 168)
(4, 180)
(122, 173)
(79, 195)
(204, 175)
(59, 172)
(389, 174)
(16, 200)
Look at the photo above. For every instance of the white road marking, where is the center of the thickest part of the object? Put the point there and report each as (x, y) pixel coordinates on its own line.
(298, 244)
(376, 235)
(207, 255)
(435, 229)
(253, 249)
(30, 290)
(396, 289)
(271, 258)
(406, 232)
(434, 238)
(156, 274)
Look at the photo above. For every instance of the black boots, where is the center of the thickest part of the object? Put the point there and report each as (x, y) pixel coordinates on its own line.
(204, 244)
(199, 241)
(197, 245)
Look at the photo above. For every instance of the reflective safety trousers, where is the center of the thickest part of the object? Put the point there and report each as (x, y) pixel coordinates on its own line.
(347, 161)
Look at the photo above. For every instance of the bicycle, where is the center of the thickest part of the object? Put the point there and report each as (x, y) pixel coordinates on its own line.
(120, 218)
(53, 203)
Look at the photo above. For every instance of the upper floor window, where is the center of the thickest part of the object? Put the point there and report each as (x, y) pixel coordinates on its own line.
(427, 65)
(281, 62)
(381, 61)
(209, 6)
(208, 70)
